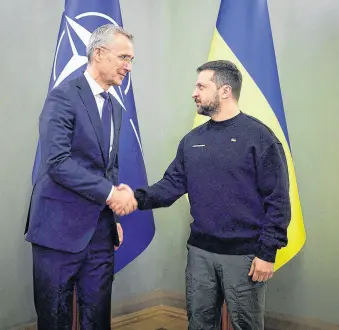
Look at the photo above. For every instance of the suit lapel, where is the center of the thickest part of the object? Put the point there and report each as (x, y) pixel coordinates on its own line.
(92, 110)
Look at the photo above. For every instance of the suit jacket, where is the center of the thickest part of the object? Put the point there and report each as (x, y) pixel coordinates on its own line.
(74, 180)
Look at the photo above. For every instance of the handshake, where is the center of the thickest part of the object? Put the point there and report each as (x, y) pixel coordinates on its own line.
(122, 201)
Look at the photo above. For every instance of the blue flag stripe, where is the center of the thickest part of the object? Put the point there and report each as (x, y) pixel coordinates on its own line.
(245, 27)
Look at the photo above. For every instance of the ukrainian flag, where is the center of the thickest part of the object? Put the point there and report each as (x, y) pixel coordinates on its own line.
(243, 36)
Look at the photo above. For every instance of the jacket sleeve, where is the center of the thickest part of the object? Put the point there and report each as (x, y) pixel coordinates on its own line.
(170, 188)
(273, 185)
(56, 127)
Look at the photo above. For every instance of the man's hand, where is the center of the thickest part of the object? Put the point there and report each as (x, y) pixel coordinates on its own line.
(122, 201)
(261, 270)
(120, 234)
(123, 186)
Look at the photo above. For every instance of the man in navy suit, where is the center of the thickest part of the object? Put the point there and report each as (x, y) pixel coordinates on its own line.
(72, 229)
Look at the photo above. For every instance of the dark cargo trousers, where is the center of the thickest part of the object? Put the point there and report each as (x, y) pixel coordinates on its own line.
(212, 278)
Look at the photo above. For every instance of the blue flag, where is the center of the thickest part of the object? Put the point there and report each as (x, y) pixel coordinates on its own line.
(79, 19)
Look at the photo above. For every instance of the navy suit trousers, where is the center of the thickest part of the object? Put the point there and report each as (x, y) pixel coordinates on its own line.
(91, 270)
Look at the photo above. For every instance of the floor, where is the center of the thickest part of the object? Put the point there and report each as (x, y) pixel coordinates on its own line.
(153, 319)
(164, 323)
(159, 318)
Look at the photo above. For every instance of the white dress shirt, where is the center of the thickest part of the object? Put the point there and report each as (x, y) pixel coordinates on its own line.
(96, 90)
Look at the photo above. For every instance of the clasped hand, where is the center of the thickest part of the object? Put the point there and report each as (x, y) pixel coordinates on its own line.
(122, 201)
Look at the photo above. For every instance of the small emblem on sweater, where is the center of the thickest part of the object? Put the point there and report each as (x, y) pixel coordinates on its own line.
(198, 146)
(234, 140)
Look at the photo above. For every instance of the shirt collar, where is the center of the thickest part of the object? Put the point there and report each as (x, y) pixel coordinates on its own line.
(95, 87)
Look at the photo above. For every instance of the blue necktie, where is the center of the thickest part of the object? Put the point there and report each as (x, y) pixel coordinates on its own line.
(106, 119)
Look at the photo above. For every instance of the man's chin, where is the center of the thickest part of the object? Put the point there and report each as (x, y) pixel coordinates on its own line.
(116, 82)
(201, 111)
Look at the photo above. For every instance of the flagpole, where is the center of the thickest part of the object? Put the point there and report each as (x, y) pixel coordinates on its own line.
(225, 319)
(75, 325)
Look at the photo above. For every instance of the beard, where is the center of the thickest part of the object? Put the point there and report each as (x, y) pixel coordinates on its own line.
(211, 108)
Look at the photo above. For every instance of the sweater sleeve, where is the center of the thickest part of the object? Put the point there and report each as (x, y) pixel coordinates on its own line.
(166, 191)
(273, 184)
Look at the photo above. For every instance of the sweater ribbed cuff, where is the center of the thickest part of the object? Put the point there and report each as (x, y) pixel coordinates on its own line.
(139, 195)
(266, 253)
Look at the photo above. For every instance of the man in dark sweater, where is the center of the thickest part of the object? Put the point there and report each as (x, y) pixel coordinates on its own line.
(235, 173)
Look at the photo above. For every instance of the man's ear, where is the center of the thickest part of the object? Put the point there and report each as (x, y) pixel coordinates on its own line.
(97, 55)
(226, 91)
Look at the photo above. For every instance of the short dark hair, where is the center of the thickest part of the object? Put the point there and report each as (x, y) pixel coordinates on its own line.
(225, 73)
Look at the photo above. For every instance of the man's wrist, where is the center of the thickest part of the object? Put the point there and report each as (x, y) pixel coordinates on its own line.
(110, 194)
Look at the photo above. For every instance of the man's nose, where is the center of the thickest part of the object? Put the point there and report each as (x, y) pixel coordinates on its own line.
(128, 66)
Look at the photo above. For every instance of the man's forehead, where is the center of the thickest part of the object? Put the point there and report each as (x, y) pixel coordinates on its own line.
(205, 77)
(123, 46)
(120, 40)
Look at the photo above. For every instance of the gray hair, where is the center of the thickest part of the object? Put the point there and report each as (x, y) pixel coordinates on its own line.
(104, 35)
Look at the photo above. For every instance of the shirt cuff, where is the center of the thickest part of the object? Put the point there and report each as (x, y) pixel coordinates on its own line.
(110, 194)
